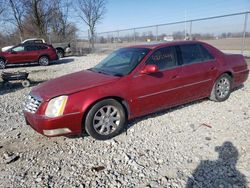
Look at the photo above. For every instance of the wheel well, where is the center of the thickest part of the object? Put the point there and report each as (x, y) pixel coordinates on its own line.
(229, 73)
(44, 55)
(60, 49)
(2, 58)
(119, 99)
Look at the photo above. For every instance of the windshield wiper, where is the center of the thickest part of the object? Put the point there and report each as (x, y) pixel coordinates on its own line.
(118, 74)
(99, 71)
(103, 72)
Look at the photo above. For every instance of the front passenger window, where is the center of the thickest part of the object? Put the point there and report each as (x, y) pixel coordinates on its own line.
(18, 49)
(164, 58)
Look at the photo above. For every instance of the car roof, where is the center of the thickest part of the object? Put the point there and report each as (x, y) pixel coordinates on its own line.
(32, 39)
(154, 45)
(33, 44)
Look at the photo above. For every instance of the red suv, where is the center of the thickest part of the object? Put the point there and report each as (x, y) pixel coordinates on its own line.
(28, 53)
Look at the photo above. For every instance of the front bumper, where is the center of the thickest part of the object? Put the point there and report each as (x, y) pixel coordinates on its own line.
(70, 124)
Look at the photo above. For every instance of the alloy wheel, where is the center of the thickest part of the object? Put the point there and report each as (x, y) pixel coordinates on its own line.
(2, 64)
(223, 87)
(106, 120)
(44, 61)
(60, 54)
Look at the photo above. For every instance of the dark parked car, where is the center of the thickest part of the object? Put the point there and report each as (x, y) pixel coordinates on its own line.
(132, 82)
(27, 53)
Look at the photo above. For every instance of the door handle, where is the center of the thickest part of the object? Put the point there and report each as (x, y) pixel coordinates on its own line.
(174, 77)
(212, 68)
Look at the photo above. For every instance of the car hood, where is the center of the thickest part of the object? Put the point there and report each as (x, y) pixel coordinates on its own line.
(4, 49)
(3, 53)
(71, 83)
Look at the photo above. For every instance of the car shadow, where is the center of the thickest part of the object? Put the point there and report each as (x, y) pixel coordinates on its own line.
(219, 173)
(62, 61)
(57, 62)
(134, 121)
(14, 86)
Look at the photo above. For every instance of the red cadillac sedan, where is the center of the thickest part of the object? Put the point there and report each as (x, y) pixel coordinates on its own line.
(132, 82)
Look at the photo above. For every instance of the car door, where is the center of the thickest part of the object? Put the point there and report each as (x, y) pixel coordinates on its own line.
(32, 52)
(158, 90)
(17, 54)
(198, 69)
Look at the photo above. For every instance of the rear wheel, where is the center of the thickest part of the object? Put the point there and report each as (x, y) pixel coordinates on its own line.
(43, 61)
(2, 63)
(105, 119)
(222, 88)
(60, 54)
(26, 83)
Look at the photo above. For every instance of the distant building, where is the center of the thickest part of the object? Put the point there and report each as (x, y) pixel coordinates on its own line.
(168, 38)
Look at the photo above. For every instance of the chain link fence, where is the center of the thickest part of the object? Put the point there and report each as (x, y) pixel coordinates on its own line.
(230, 33)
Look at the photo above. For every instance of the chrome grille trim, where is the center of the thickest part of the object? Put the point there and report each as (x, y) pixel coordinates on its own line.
(31, 103)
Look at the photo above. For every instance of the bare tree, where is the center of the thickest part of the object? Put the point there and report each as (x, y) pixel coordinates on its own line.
(61, 28)
(91, 12)
(1, 7)
(39, 15)
(35, 18)
(17, 17)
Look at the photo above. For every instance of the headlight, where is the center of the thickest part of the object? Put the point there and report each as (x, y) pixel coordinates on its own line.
(56, 106)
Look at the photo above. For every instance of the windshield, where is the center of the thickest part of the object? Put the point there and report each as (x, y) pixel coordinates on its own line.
(121, 62)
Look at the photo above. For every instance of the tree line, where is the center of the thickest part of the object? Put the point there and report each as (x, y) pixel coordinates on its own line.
(53, 20)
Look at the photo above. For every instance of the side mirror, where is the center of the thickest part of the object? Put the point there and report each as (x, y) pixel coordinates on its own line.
(12, 52)
(149, 69)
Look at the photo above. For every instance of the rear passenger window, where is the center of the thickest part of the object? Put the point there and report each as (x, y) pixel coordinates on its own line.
(194, 53)
(164, 58)
(30, 48)
(206, 55)
(42, 47)
(191, 54)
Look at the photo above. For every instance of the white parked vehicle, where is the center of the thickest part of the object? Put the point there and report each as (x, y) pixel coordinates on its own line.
(32, 40)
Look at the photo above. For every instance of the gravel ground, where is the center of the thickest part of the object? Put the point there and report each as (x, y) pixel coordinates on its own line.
(202, 144)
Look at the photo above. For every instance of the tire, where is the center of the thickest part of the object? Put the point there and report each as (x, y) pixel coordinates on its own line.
(2, 63)
(26, 83)
(43, 61)
(105, 119)
(222, 88)
(60, 54)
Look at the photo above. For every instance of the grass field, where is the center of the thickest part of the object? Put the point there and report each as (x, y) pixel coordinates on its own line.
(227, 45)
(248, 62)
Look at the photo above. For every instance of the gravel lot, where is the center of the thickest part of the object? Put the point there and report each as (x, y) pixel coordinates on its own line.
(202, 144)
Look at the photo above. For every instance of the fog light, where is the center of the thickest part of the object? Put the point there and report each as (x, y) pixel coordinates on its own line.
(54, 132)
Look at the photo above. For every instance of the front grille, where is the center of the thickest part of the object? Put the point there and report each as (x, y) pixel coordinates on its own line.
(32, 103)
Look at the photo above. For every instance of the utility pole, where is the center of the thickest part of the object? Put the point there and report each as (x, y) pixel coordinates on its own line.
(185, 24)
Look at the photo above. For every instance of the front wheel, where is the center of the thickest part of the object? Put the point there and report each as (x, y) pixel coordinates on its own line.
(105, 119)
(2, 63)
(43, 61)
(222, 88)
